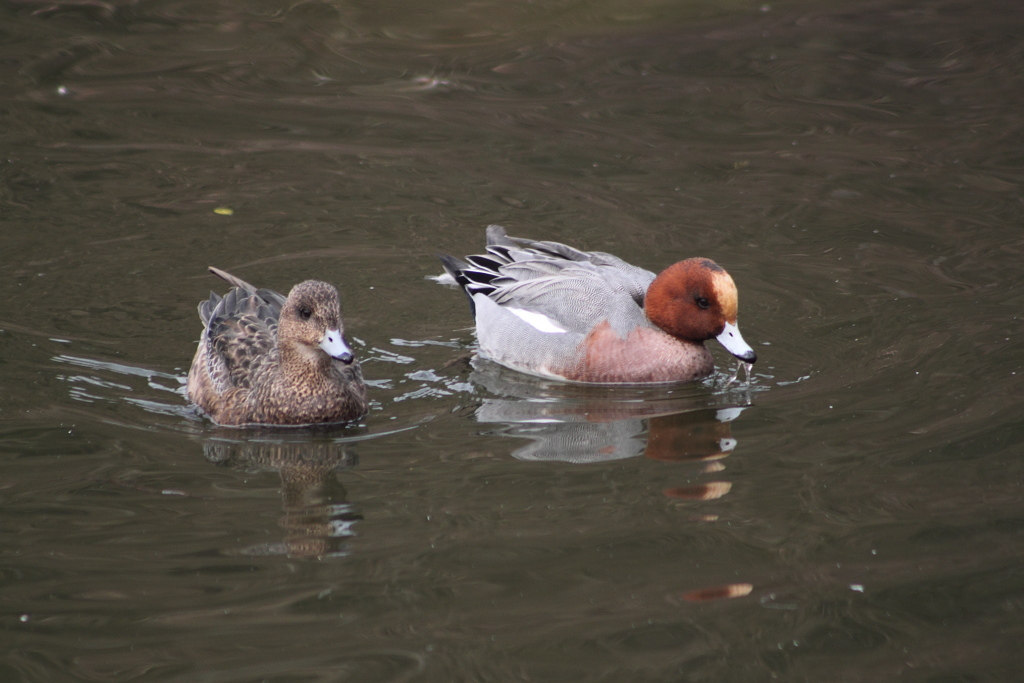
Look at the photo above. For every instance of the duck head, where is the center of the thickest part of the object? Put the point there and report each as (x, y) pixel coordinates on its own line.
(311, 319)
(696, 300)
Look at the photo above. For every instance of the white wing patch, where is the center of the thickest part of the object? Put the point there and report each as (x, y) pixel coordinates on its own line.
(538, 321)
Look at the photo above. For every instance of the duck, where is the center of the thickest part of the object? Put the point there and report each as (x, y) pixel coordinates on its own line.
(267, 359)
(553, 311)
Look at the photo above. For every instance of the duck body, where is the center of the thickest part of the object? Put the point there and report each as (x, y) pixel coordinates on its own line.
(550, 310)
(264, 358)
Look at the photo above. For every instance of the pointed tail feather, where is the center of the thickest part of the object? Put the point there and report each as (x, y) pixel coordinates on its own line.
(232, 280)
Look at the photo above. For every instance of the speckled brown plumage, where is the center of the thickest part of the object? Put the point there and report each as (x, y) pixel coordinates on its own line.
(263, 358)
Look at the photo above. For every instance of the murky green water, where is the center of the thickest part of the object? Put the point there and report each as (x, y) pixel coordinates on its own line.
(856, 515)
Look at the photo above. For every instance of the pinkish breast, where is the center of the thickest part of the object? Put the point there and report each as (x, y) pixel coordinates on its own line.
(645, 355)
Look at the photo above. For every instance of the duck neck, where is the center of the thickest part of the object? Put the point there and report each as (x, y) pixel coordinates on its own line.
(298, 359)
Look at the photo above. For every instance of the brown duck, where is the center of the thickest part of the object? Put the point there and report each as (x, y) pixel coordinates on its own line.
(267, 359)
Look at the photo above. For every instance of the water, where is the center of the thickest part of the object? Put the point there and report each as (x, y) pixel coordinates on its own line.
(854, 515)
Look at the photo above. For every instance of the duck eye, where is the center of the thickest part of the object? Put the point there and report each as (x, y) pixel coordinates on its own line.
(702, 302)
(305, 313)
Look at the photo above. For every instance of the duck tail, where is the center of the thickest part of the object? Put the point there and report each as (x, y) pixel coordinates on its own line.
(456, 270)
(232, 280)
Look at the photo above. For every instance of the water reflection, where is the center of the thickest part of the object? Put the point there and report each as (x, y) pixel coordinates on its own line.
(585, 424)
(723, 592)
(316, 517)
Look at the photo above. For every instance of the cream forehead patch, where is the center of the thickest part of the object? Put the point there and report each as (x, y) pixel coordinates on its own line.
(725, 292)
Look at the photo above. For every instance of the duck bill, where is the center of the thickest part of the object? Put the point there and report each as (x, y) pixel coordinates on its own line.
(732, 340)
(334, 346)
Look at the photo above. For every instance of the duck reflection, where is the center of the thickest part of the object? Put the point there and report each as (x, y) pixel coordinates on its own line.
(316, 517)
(587, 424)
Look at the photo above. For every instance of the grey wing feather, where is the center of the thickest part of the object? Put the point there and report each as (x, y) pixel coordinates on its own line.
(552, 278)
(526, 258)
(206, 308)
(574, 299)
